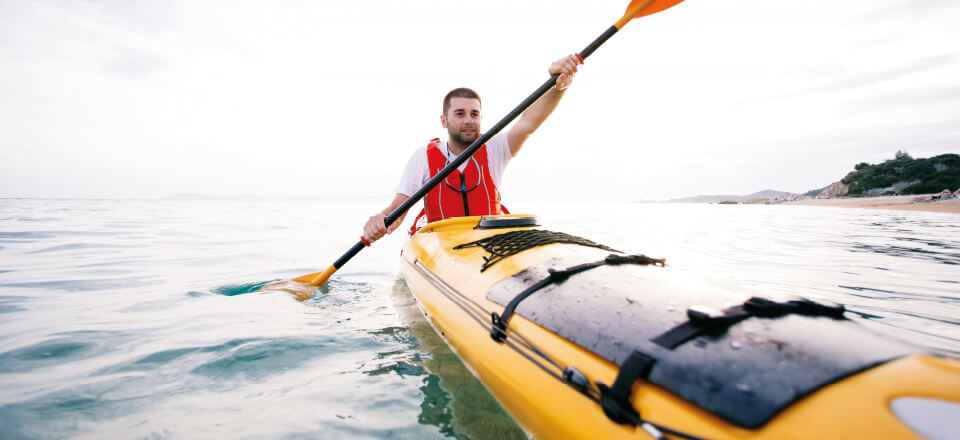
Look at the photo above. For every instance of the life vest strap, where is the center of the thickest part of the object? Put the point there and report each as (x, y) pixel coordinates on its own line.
(414, 228)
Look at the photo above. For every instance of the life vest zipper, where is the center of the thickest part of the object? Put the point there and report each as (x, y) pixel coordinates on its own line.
(463, 192)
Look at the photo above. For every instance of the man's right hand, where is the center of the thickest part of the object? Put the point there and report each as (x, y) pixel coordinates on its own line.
(375, 228)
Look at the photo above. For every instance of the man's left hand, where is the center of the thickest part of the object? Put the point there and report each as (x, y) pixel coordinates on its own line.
(567, 68)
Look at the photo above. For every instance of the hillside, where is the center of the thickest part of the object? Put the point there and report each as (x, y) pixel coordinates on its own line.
(902, 175)
(905, 175)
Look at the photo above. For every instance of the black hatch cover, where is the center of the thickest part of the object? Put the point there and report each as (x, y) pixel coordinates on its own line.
(746, 374)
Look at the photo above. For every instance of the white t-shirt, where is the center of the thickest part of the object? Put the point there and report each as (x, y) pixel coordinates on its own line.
(417, 171)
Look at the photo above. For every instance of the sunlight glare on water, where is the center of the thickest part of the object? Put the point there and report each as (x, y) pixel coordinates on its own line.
(146, 318)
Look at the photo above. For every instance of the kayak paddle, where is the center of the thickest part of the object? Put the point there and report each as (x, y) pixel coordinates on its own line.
(636, 8)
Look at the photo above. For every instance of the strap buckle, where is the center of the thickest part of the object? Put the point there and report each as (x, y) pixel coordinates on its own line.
(615, 399)
(498, 331)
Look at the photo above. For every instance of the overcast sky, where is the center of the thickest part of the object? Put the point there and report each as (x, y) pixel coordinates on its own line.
(131, 99)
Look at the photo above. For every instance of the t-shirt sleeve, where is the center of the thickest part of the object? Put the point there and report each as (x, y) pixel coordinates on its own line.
(415, 174)
(498, 155)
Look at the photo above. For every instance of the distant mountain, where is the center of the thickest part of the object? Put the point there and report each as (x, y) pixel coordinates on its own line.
(247, 197)
(192, 196)
(815, 192)
(767, 194)
(196, 196)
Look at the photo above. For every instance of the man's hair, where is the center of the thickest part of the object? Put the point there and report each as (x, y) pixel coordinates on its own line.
(461, 92)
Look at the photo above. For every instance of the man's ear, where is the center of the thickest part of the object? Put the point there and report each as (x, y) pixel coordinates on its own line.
(443, 121)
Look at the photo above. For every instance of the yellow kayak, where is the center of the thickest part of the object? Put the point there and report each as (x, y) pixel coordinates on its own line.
(579, 340)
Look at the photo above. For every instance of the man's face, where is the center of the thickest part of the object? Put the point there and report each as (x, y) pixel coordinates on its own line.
(462, 120)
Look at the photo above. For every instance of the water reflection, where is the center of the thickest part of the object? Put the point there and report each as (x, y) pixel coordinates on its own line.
(453, 400)
(920, 238)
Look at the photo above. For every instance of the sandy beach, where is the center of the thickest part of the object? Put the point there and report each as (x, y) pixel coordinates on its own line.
(905, 203)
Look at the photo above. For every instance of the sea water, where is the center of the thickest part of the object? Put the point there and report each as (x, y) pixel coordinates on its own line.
(142, 318)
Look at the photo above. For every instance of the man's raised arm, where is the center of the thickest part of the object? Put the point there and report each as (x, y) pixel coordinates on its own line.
(531, 119)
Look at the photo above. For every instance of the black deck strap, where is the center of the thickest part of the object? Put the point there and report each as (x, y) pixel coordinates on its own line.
(500, 322)
(615, 259)
(616, 399)
(702, 319)
(800, 306)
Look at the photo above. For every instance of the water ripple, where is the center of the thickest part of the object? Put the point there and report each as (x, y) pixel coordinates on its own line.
(908, 252)
(258, 359)
(84, 246)
(240, 289)
(69, 347)
(84, 285)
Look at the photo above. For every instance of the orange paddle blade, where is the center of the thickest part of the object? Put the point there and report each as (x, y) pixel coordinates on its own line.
(642, 8)
(317, 279)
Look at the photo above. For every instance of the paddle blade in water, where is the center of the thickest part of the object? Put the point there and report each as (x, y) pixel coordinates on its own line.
(642, 8)
(300, 291)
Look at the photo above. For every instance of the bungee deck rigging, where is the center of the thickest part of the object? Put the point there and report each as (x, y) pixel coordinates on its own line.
(511, 243)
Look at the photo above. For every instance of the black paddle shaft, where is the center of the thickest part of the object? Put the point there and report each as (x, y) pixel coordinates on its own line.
(499, 126)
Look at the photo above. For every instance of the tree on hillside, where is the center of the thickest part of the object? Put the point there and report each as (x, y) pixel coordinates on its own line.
(915, 176)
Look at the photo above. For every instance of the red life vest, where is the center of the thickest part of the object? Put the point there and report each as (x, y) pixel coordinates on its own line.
(470, 192)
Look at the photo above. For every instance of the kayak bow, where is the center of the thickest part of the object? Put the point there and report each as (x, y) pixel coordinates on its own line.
(578, 340)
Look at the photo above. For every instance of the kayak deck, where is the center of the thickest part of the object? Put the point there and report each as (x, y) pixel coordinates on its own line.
(547, 375)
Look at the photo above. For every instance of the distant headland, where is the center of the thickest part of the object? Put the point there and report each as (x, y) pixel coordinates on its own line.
(899, 183)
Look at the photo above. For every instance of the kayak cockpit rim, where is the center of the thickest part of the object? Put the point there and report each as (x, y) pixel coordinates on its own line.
(483, 222)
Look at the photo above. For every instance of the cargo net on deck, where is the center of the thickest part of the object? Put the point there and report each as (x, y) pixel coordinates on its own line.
(511, 243)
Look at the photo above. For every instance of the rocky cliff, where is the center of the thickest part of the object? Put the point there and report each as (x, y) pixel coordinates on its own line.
(836, 189)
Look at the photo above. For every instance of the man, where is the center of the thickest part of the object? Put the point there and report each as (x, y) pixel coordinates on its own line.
(474, 190)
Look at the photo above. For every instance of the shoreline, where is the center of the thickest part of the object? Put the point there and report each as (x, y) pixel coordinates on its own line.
(903, 203)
